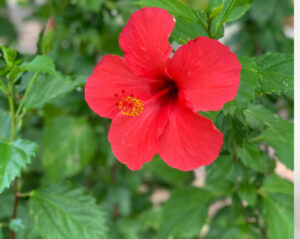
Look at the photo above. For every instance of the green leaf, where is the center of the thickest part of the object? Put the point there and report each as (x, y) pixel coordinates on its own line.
(275, 184)
(162, 172)
(64, 211)
(41, 63)
(185, 31)
(279, 217)
(251, 157)
(247, 87)
(178, 9)
(46, 89)
(277, 73)
(90, 5)
(9, 55)
(68, 145)
(17, 225)
(5, 125)
(185, 213)
(240, 8)
(248, 193)
(279, 133)
(14, 157)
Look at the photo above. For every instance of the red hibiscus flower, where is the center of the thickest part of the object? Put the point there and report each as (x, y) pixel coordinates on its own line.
(153, 99)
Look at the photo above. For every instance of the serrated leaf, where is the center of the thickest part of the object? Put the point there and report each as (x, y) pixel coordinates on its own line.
(240, 8)
(14, 157)
(178, 9)
(47, 88)
(247, 87)
(251, 157)
(185, 213)
(277, 73)
(41, 63)
(68, 145)
(64, 211)
(279, 133)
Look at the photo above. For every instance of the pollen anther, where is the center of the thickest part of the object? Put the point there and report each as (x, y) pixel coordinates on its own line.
(131, 106)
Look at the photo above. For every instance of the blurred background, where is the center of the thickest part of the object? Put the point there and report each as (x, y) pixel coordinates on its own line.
(73, 141)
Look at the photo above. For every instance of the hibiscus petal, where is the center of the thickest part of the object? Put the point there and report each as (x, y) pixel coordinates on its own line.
(135, 140)
(206, 72)
(110, 81)
(189, 140)
(144, 41)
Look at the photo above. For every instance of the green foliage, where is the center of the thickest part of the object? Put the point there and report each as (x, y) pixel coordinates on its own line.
(77, 149)
(279, 133)
(14, 157)
(42, 101)
(277, 73)
(185, 213)
(278, 207)
(64, 211)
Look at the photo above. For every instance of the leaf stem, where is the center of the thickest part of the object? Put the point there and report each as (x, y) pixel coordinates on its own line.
(4, 88)
(26, 93)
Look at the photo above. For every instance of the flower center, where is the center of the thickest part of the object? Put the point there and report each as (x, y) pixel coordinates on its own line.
(130, 106)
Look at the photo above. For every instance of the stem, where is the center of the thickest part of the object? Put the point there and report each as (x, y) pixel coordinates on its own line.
(13, 138)
(26, 92)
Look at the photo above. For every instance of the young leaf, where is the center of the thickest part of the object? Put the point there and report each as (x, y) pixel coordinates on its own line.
(14, 157)
(178, 9)
(64, 211)
(41, 63)
(277, 73)
(79, 144)
(279, 133)
(185, 213)
(248, 193)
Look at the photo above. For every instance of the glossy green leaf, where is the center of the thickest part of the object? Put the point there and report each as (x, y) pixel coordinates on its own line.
(14, 157)
(275, 184)
(64, 211)
(279, 133)
(185, 213)
(41, 63)
(240, 8)
(178, 9)
(68, 145)
(46, 89)
(277, 73)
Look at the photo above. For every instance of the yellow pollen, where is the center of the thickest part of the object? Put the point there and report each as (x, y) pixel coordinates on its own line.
(130, 106)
